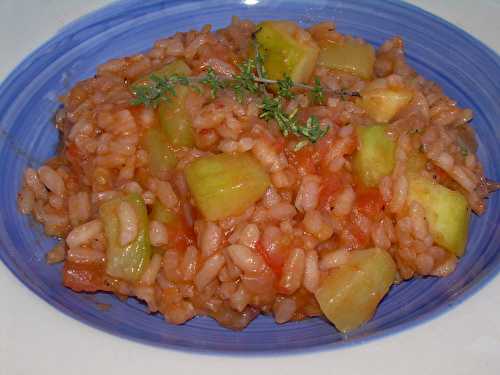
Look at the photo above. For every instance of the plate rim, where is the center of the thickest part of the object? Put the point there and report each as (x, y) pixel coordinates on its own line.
(76, 26)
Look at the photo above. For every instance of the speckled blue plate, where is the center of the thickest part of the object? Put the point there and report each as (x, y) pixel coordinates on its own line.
(467, 70)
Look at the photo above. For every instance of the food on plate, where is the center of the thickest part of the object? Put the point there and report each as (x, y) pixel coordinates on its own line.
(258, 169)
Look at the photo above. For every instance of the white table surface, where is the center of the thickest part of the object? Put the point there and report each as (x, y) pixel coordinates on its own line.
(37, 339)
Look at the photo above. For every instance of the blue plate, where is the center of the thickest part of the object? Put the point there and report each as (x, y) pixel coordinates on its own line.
(467, 70)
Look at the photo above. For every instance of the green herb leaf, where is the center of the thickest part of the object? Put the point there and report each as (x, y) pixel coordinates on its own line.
(212, 81)
(313, 130)
(317, 93)
(284, 87)
(181, 80)
(157, 89)
(300, 145)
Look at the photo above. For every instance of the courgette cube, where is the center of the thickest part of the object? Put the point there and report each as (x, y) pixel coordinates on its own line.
(382, 104)
(226, 184)
(349, 56)
(446, 211)
(375, 157)
(178, 67)
(284, 53)
(161, 156)
(126, 262)
(350, 294)
(174, 119)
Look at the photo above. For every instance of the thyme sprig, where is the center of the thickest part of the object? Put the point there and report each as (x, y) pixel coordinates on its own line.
(157, 89)
(245, 81)
(272, 109)
(250, 80)
(340, 93)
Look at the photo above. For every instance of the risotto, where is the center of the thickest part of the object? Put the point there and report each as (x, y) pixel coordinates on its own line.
(259, 168)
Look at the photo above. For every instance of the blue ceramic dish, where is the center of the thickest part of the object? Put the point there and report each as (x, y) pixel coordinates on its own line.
(467, 70)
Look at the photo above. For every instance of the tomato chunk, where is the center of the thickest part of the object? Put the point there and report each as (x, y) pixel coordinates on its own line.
(83, 277)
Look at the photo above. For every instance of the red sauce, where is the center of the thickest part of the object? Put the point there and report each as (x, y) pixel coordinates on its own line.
(274, 259)
(302, 160)
(369, 202)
